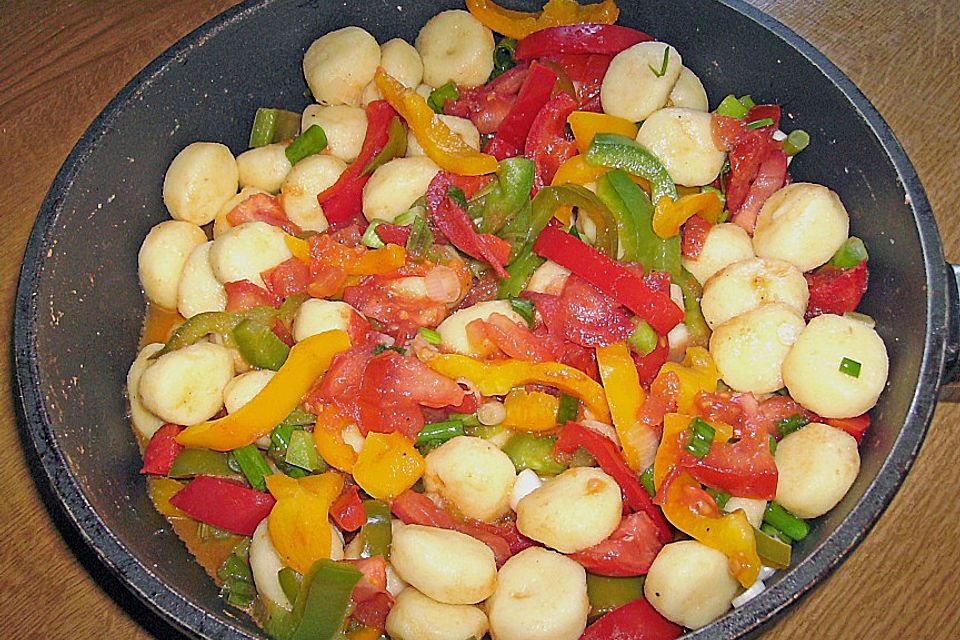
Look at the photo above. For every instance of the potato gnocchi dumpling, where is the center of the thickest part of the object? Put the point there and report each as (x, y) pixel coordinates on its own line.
(264, 167)
(453, 330)
(316, 316)
(474, 475)
(144, 422)
(682, 140)
(163, 257)
(817, 466)
(186, 386)
(401, 60)
(415, 616)
(725, 244)
(340, 64)
(246, 251)
(199, 290)
(688, 92)
(463, 127)
(299, 191)
(345, 127)
(455, 47)
(750, 283)
(395, 186)
(631, 89)
(200, 179)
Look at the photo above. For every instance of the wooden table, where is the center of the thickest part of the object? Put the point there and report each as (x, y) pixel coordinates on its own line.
(63, 60)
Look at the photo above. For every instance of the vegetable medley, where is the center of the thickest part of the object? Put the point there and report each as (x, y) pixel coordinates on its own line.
(508, 334)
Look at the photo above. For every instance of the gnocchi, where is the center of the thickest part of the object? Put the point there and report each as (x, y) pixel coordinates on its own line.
(473, 474)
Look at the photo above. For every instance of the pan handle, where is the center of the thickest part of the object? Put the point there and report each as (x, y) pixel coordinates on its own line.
(951, 366)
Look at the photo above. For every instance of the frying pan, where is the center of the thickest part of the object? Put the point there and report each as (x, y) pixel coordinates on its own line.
(79, 307)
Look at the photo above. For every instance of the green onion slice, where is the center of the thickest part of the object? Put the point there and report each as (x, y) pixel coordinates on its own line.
(421, 238)
(797, 140)
(646, 479)
(308, 143)
(731, 107)
(701, 438)
(850, 367)
(370, 237)
(273, 125)
(760, 124)
(643, 339)
(781, 519)
(439, 96)
(430, 335)
(720, 497)
(788, 425)
(525, 309)
(747, 102)
(436, 433)
(663, 66)
(851, 253)
(255, 469)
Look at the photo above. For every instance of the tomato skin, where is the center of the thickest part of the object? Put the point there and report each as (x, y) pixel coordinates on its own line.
(373, 601)
(243, 295)
(586, 71)
(261, 207)
(548, 144)
(835, 290)
(287, 278)
(856, 427)
(514, 340)
(629, 551)
(637, 620)
(487, 106)
(695, 233)
(347, 511)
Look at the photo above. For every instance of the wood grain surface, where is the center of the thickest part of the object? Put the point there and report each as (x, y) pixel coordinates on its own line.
(62, 60)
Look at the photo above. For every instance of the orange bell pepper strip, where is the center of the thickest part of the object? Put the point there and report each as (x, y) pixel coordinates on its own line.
(530, 410)
(587, 124)
(625, 396)
(298, 247)
(307, 361)
(299, 523)
(441, 144)
(696, 373)
(691, 510)
(498, 378)
(388, 465)
(670, 214)
(328, 437)
(520, 24)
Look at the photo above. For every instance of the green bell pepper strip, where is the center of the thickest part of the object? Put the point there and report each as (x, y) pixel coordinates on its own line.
(620, 152)
(643, 339)
(774, 552)
(324, 600)
(299, 418)
(302, 453)
(280, 439)
(395, 147)
(201, 462)
(273, 125)
(520, 270)
(310, 142)
(259, 345)
(510, 194)
(528, 451)
(376, 534)
(220, 323)
(607, 593)
(253, 466)
(851, 253)
(290, 582)
(692, 314)
(568, 409)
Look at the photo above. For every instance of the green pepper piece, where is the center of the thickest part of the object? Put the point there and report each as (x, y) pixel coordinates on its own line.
(376, 534)
(620, 152)
(643, 339)
(692, 314)
(568, 409)
(532, 452)
(259, 345)
(288, 310)
(273, 125)
(520, 271)
(201, 462)
(774, 552)
(324, 600)
(646, 479)
(299, 418)
(253, 466)
(607, 593)
(510, 194)
(310, 142)
(851, 253)
(220, 323)
(280, 439)
(290, 582)
(439, 96)
(395, 147)
(302, 452)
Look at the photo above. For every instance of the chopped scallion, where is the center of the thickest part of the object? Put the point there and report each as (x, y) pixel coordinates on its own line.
(411, 214)
(255, 469)
(436, 433)
(646, 479)
(850, 367)
(731, 107)
(778, 517)
(273, 125)
(720, 497)
(797, 140)
(663, 66)
(851, 253)
(308, 143)
(430, 335)
(525, 310)
(747, 102)
(503, 59)
(700, 438)
(421, 238)
(439, 96)
(370, 237)
(773, 532)
(788, 425)
(643, 339)
(568, 410)
(760, 124)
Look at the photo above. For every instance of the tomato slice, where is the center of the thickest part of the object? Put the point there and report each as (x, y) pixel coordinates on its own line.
(629, 551)
(835, 290)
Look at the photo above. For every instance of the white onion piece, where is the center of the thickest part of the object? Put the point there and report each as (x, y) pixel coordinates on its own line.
(755, 589)
(442, 285)
(526, 483)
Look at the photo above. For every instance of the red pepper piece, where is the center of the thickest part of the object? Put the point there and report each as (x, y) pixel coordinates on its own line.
(629, 551)
(648, 366)
(636, 620)
(394, 233)
(611, 277)
(611, 461)
(287, 278)
(454, 223)
(586, 72)
(224, 504)
(771, 175)
(512, 133)
(486, 106)
(607, 39)
(263, 208)
(347, 510)
(854, 426)
(344, 199)
(548, 143)
(694, 237)
(243, 295)
(161, 450)
(835, 290)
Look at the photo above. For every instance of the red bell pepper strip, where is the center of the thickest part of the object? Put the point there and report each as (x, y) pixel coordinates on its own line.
(636, 620)
(487, 105)
(548, 143)
(344, 199)
(611, 461)
(454, 223)
(629, 551)
(771, 175)
(835, 290)
(586, 72)
(162, 450)
(611, 277)
(606, 39)
(512, 133)
(224, 504)
(263, 208)
(347, 510)
(854, 426)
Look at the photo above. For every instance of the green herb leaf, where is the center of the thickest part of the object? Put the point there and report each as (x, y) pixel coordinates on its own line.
(380, 348)
(663, 67)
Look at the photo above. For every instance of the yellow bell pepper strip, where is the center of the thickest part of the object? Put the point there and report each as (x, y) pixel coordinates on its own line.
(498, 378)
(520, 24)
(625, 397)
(577, 170)
(308, 359)
(441, 144)
(671, 214)
(388, 465)
(298, 247)
(530, 410)
(696, 373)
(299, 523)
(690, 509)
(328, 437)
(587, 124)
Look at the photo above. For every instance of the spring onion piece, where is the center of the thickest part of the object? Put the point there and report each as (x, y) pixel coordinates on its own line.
(700, 438)
(760, 124)
(747, 102)
(797, 140)
(436, 433)
(253, 466)
(302, 452)
(439, 96)
(238, 588)
(851, 253)
(411, 214)
(308, 143)
(299, 418)
(850, 367)
(718, 192)
(663, 66)
(788, 425)
(568, 410)
(273, 125)
(201, 462)
(503, 59)
(209, 532)
(773, 532)
(528, 451)
(731, 107)
(370, 237)
(376, 534)
(420, 240)
(525, 310)
(646, 479)
(608, 593)
(778, 517)
(773, 551)
(720, 497)
(259, 345)
(643, 339)
(430, 335)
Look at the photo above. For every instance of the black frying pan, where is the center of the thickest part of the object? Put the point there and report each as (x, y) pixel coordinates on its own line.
(80, 309)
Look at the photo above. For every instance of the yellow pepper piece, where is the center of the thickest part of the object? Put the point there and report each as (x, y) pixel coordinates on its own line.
(367, 633)
(730, 534)
(388, 465)
(498, 378)
(697, 373)
(161, 489)
(328, 437)
(307, 361)
(576, 170)
(670, 214)
(376, 261)
(587, 124)
(299, 523)
(530, 410)
(299, 248)
(520, 24)
(625, 397)
(441, 144)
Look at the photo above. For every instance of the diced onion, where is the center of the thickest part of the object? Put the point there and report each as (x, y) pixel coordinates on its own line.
(526, 483)
(755, 589)
(491, 413)
(442, 284)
